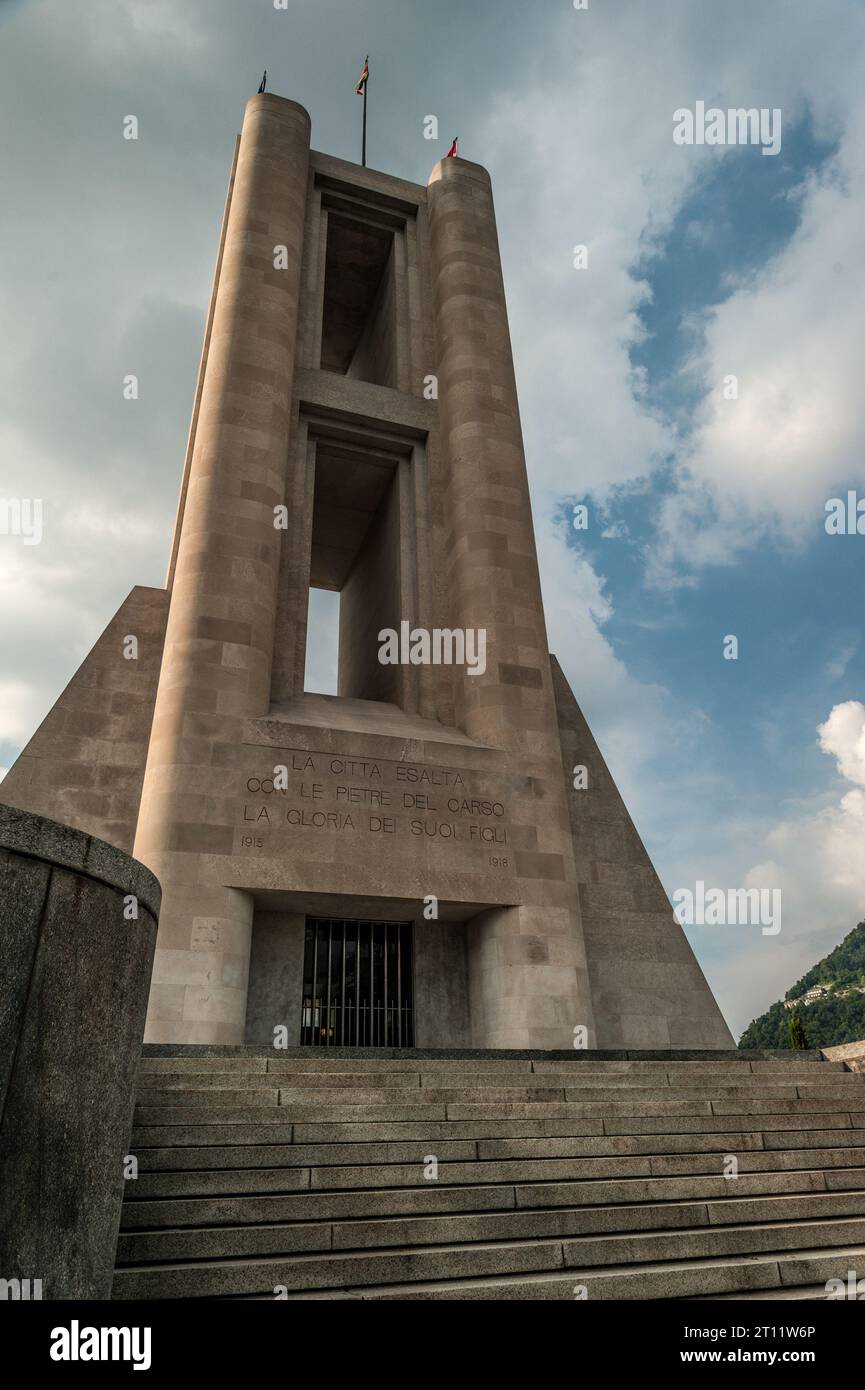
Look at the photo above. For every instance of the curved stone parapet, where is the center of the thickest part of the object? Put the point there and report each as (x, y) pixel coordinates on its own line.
(77, 933)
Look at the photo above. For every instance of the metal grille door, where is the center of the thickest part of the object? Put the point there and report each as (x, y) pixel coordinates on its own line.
(357, 984)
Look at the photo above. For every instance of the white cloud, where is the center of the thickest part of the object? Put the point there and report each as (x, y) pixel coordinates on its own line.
(843, 737)
(845, 860)
(820, 865)
(597, 146)
(761, 467)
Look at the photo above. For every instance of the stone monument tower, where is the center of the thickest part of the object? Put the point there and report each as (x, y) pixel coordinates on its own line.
(409, 861)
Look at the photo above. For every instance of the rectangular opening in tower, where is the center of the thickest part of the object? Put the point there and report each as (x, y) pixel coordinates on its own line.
(321, 674)
(357, 984)
(355, 553)
(358, 336)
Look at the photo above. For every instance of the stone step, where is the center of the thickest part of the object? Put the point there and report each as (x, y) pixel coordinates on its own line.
(616, 1109)
(216, 1113)
(347, 1061)
(689, 1069)
(439, 1105)
(555, 1170)
(807, 1291)
(321, 1206)
(732, 1142)
(168, 1146)
(803, 1266)
(328, 1271)
(418, 1269)
(666, 1232)
(265, 1155)
(406, 1084)
(777, 1160)
(680, 1188)
(254, 1195)
(770, 1276)
(194, 1182)
(618, 1102)
(224, 1097)
(811, 1138)
(198, 1063)
(265, 1121)
(178, 1136)
(659, 1215)
(447, 1229)
(261, 1154)
(685, 1080)
(675, 1124)
(398, 1098)
(655, 1247)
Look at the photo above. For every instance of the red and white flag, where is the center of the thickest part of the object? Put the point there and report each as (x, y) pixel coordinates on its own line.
(451, 154)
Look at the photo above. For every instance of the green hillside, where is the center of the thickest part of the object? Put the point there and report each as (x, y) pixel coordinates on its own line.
(837, 1017)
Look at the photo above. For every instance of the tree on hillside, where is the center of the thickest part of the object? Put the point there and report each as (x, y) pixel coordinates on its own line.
(798, 1036)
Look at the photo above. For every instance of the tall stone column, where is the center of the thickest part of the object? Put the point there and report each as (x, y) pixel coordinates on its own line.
(527, 969)
(219, 641)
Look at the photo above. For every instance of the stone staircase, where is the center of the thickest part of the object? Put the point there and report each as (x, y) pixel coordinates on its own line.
(310, 1173)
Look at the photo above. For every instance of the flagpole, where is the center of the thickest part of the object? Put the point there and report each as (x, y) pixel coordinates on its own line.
(363, 151)
(361, 90)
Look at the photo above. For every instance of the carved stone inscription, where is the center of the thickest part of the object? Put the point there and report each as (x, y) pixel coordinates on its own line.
(413, 803)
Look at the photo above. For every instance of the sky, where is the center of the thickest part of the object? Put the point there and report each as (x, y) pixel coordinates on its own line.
(706, 504)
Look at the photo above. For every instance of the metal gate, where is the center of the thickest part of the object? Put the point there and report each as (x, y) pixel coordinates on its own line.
(357, 984)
